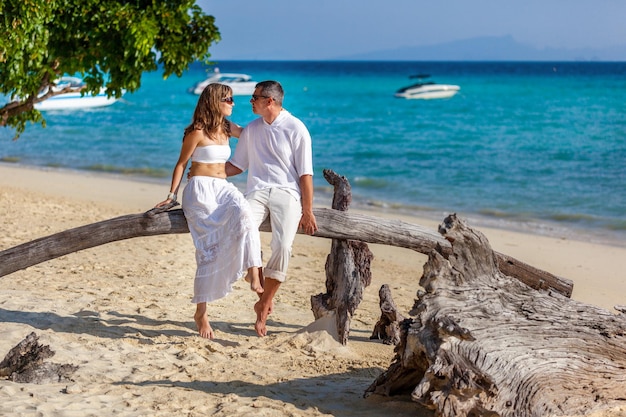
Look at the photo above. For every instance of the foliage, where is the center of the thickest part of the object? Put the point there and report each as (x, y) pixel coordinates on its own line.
(108, 42)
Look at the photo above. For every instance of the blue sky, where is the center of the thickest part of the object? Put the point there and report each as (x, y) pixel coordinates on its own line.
(325, 29)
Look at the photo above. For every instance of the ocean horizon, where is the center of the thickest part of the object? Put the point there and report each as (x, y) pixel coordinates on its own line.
(531, 146)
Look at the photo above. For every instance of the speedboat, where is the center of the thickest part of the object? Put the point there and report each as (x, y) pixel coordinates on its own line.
(242, 84)
(73, 100)
(427, 89)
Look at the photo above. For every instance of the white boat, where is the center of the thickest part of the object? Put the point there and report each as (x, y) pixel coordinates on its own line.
(242, 84)
(426, 90)
(74, 100)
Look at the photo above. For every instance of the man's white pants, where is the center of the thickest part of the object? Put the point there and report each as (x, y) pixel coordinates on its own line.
(285, 211)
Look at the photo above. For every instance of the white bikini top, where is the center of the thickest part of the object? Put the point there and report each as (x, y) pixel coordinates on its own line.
(211, 154)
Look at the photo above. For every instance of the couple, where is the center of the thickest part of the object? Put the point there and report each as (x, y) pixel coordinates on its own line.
(276, 151)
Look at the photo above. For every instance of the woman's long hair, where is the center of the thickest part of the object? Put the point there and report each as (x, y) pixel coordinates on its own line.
(208, 116)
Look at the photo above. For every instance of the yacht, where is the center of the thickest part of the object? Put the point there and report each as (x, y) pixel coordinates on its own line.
(74, 100)
(426, 90)
(242, 84)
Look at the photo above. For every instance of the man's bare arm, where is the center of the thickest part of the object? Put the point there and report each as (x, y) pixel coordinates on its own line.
(231, 169)
(307, 223)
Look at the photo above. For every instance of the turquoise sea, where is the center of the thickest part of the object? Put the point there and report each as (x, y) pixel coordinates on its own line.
(535, 146)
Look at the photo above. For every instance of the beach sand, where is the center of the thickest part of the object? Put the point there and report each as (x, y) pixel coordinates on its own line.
(121, 312)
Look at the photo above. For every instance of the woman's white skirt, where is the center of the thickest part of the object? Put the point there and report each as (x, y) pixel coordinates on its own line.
(226, 240)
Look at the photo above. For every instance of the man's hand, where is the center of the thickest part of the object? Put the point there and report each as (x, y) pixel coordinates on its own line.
(308, 224)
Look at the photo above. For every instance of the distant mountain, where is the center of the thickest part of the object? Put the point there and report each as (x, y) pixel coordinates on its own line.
(503, 48)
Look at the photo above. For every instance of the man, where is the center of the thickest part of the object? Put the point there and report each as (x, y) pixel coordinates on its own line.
(276, 151)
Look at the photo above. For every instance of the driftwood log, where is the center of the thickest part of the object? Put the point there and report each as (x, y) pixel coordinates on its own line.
(483, 344)
(347, 269)
(387, 328)
(333, 224)
(25, 363)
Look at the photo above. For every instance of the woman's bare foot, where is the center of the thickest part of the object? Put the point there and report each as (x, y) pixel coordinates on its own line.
(204, 328)
(255, 280)
(202, 321)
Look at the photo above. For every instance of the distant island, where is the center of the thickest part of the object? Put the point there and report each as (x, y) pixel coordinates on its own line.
(502, 48)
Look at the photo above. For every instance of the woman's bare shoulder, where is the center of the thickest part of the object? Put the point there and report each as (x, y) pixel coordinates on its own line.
(198, 137)
(195, 134)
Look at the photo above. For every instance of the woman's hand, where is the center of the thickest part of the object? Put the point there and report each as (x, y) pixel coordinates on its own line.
(163, 203)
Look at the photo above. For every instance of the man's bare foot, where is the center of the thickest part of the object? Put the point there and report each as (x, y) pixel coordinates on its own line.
(269, 310)
(255, 282)
(262, 311)
(204, 328)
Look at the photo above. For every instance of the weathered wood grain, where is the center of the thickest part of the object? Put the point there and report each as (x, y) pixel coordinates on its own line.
(25, 363)
(480, 343)
(347, 268)
(387, 328)
(333, 224)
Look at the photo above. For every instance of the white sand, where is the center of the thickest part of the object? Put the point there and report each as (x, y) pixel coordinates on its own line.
(122, 313)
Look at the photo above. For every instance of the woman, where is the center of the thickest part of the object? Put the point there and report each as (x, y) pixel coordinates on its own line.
(226, 240)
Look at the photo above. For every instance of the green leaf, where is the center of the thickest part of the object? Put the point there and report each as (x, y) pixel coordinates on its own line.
(110, 43)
